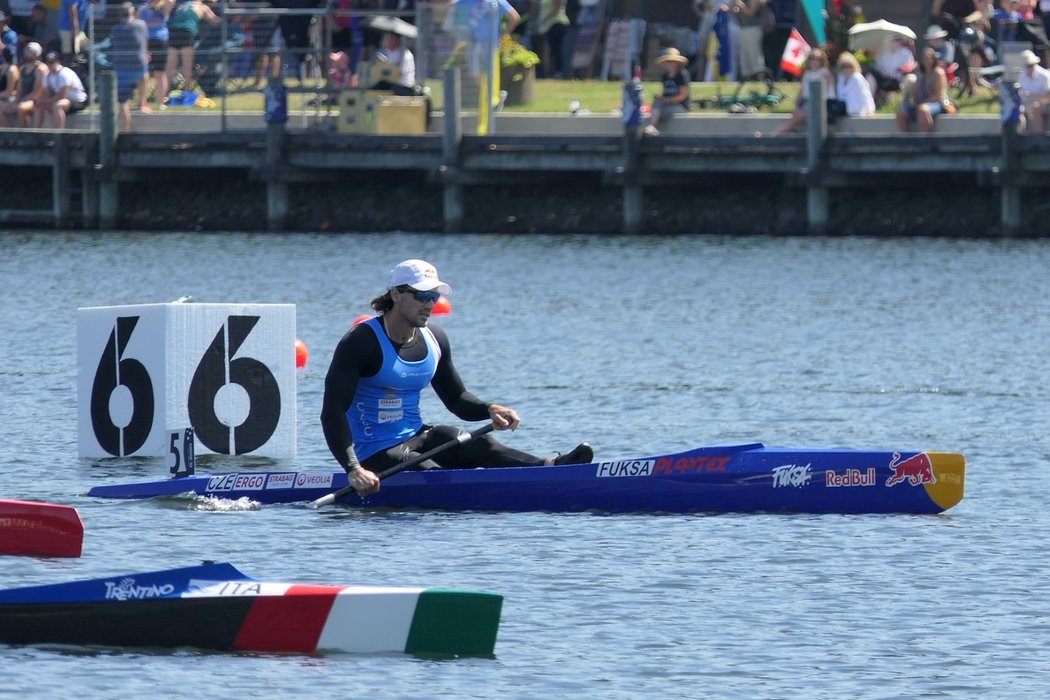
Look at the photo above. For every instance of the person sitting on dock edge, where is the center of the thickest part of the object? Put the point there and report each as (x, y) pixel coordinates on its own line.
(928, 98)
(1035, 92)
(852, 88)
(64, 93)
(817, 69)
(674, 97)
(370, 412)
(31, 75)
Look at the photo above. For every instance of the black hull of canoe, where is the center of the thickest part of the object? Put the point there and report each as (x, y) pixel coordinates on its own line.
(159, 623)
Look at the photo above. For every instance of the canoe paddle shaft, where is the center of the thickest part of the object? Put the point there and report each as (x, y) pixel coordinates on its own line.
(461, 439)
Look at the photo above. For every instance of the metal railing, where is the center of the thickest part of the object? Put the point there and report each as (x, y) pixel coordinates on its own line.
(235, 57)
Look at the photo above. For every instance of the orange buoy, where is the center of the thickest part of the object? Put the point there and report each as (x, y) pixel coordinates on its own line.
(442, 307)
(360, 319)
(301, 353)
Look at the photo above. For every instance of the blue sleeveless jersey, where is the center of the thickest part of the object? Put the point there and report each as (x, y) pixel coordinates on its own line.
(385, 410)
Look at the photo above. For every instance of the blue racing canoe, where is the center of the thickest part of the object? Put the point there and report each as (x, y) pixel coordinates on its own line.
(730, 478)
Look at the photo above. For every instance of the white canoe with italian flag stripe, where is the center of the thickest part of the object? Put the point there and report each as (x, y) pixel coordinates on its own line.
(215, 606)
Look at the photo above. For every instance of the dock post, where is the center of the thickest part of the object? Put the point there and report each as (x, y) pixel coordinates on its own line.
(276, 187)
(452, 136)
(816, 135)
(1009, 191)
(89, 195)
(633, 195)
(60, 183)
(109, 187)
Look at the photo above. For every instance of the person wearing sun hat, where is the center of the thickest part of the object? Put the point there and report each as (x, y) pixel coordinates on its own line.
(936, 36)
(370, 412)
(674, 95)
(935, 31)
(1035, 92)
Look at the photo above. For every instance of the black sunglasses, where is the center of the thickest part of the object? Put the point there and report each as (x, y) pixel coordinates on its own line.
(421, 296)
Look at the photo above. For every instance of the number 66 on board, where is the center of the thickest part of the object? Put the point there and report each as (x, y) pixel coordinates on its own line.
(225, 370)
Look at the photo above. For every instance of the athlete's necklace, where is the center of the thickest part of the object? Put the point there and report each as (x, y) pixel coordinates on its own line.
(390, 335)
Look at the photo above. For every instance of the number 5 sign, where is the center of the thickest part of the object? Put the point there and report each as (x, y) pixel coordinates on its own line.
(226, 370)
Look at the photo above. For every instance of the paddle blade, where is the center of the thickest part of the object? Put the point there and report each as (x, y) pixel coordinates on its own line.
(323, 501)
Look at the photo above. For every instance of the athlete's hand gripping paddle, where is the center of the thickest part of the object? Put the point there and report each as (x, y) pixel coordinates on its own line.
(461, 439)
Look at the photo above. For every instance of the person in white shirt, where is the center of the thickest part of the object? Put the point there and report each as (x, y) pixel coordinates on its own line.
(892, 63)
(1035, 92)
(64, 94)
(394, 52)
(852, 88)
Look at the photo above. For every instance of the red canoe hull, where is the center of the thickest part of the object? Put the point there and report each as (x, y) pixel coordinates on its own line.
(40, 529)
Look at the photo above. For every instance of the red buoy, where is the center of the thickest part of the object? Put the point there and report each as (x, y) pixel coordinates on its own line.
(301, 353)
(442, 307)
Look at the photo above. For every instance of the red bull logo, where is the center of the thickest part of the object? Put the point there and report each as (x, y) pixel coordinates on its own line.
(917, 470)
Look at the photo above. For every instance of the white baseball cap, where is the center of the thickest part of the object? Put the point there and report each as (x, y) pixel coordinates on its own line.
(418, 274)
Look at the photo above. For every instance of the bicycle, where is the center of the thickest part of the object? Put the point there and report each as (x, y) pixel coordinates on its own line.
(752, 94)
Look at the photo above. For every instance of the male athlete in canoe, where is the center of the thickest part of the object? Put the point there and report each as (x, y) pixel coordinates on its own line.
(370, 413)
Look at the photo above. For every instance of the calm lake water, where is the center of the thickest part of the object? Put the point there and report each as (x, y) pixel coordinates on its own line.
(638, 345)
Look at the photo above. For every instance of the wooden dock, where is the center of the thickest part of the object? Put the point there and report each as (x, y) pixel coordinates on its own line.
(89, 168)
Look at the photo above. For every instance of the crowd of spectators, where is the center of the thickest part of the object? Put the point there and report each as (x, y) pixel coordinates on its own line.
(971, 44)
(154, 49)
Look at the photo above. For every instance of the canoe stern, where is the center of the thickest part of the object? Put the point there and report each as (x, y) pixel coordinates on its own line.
(949, 472)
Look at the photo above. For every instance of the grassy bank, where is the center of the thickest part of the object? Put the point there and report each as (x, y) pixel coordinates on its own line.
(597, 96)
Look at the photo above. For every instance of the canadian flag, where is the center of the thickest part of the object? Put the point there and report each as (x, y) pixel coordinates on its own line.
(795, 52)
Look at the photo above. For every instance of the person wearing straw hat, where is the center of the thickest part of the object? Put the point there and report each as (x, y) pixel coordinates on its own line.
(1035, 92)
(674, 97)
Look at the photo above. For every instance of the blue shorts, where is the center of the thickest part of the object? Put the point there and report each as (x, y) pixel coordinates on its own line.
(127, 81)
(935, 109)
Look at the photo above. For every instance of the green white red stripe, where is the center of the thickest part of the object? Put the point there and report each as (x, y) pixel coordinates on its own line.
(215, 606)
